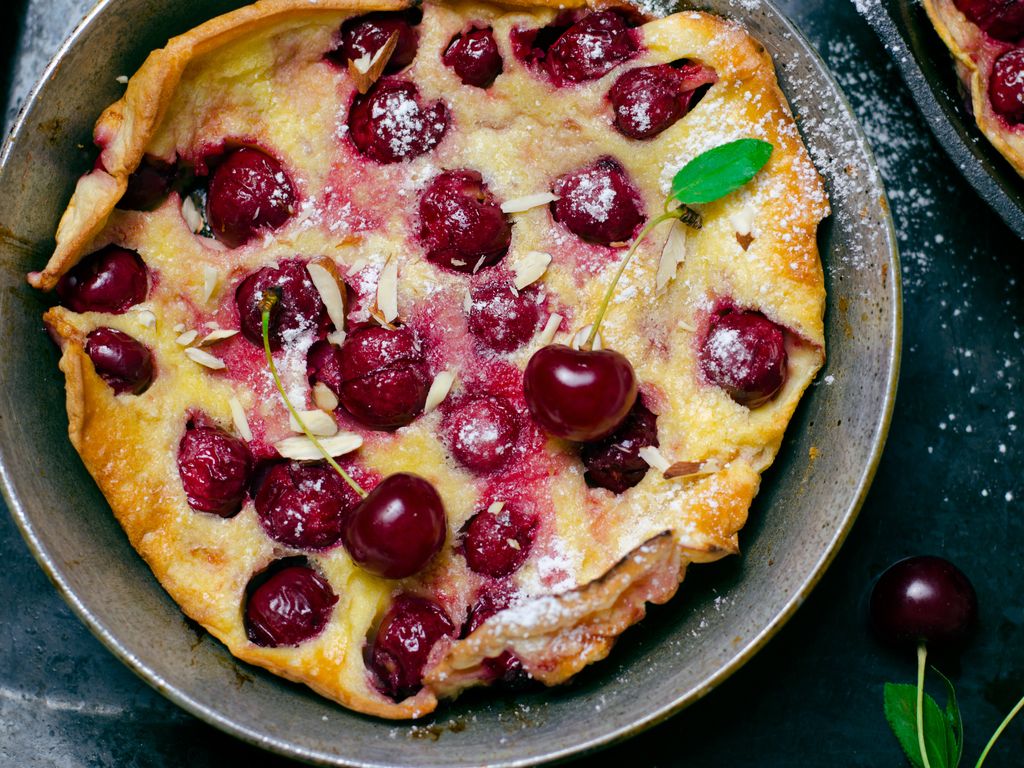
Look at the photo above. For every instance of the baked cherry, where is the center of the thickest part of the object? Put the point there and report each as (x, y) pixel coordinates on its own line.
(111, 280)
(505, 669)
(289, 607)
(1006, 86)
(1002, 19)
(744, 353)
(648, 100)
(121, 361)
(323, 365)
(407, 633)
(215, 469)
(304, 505)
(500, 317)
(481, 432)
(397, 528)
(299, 308)
(614, 462)
(599, 203)
(497, 543)
(924, 600)
(462, 226)
(581, 394)
(388, 123)
(474, 57)
(249, 194)
(384, 377)
(365, 35)
(148, 185)
(592, 47)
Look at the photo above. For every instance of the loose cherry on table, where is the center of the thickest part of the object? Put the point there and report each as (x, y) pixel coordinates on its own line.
(304, 505)
(649, 100)
(599, 203)
(365, 35)
(500, 317)
(481, 432)
(474, 57)
(215, 469)
(124, 363)
(249, 194)
(389, 123)
(111, 280)
(1006, 85)
(497, 543)
(407, 633)
(1002, 19)
(290, 606)
(298, 309)
(614, 462)
(744, 353)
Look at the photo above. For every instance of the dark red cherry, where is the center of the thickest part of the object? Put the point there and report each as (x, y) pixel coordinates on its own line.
(1002, 19)
(481, 432)
(249, 194)
(497, 543)
(148, 185)
(304, 505)
(407, 633)
(506, 668)
(578, 394)
(112, 280)
(648, 100)
(614, 462)
(924, 600)
(500, 317)
(323, 365)
(388, 124)
(474, 57)
(397, 528)
(1006, 86)
(298, 310)
(215, 469)
(462, 226)
(744, 353)
(121, 361)
(291, 606)
(365, 35)
(599, 203)
(384, 377)
(592, 47)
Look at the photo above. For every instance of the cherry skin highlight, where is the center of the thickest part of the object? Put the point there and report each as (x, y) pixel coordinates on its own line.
(365, 35)
(126, 365)
(481, 432)
(389, 124)
(398, 528)
(578, 394)
(289, 608)
(591, 48)
(1006, 86)
(599, 203)
(215, 469)
(744, 353)
(614, 462)
(112, 280)
(299, 308)
(496, 544)
(304, 505)
(249, 194)
(500, 318)
(474, 57)
(407, 633)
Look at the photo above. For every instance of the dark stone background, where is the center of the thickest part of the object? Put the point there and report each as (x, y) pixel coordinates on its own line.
(950, 483)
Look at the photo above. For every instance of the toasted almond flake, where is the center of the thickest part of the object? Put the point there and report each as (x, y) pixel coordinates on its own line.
(204, 358)
(479, 264)
(146, 318)
(387, 290)
(672, 255)
(178, 327)
(329, 290)
(691, 469)
(581, 337)
(496, 507)
(550, 329)
(210, 279)
(688, 327)
(213, 325)
(122, 79)
(187, 337)
(467, 303)
(654, 459)
(191, 214)
(439, 389)
(238, 416)
(743, 219)
(458, 263)
(324, 398)
(218, 335)
(302, 448)
(366, 70)
(337, 338)
(320, 423)
(513, 543)
(527, 202)
(357, 266)
(530, 268)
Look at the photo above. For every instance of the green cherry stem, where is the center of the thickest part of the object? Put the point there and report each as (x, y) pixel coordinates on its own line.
(266, 304)
(922, 655)
(999, 732)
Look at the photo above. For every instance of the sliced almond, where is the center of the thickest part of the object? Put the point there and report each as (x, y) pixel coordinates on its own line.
(513, 543)
(204, 358)
(366, 69)
(337, 338)
(193, 218)
(743, 219)
(581, 337)
(187, 337)
(439, 390)
(654, 459)
(320, 423)
(303, 449)
(672, 255)
(550, 329)
(529, 268)
(327, 286)
(686, 469)
(324, 398)
(357, 266)
(238, 416)
(146, 318)
(210, 278)
(387, 290)
(122, 79)
(178, 327)
(496, 507)
(527, 202)
(218, 335)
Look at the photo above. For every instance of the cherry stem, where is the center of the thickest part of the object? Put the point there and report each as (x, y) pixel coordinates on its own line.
(999, 732)
(922, 655)
(266, 303)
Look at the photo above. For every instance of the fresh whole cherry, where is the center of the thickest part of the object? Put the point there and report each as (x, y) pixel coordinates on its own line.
(481, 432)
(397, 528)
(579, 395)
(299, 308)
(614, 462)
(599, 203)
(249, 194)
(649, 100)
(388, 124)
(365, 35)
(111, 280)
(124, 363)
(474, 57)
(497, 543)
(215, 469)
(148, 185)
(304, 505)
(591, 47)
(501, 318)
(744, 353)
(1006, 86)
(289, 607)
(1002, 19)
(407, 633)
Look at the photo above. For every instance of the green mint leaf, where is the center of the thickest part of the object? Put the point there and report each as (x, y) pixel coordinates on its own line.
(719, 171)
(955, 732)
(901, 712)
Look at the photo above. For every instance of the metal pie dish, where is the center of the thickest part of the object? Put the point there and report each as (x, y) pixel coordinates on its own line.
(928, 70)
(724, 612)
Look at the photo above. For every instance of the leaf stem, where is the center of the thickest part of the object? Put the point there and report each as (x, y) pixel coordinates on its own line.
(999, 732)
(266, 303)
(922, 656)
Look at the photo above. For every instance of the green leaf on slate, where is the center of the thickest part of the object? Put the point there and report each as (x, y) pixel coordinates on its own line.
(719, 171)
(955, 732)
(901, 712)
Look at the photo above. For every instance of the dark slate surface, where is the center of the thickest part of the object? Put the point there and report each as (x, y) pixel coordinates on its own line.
(950, 483)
